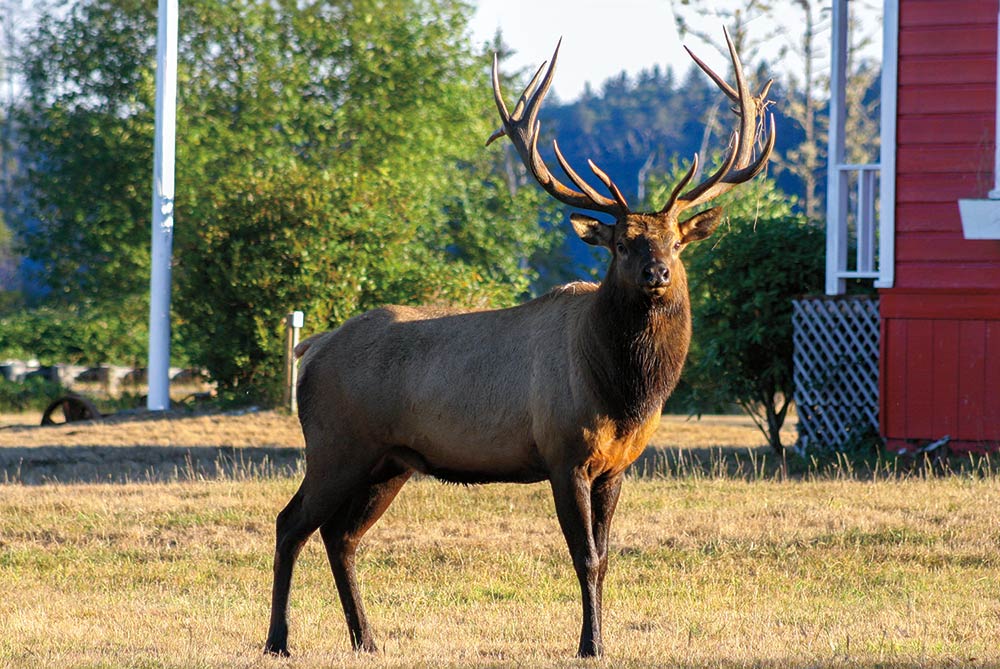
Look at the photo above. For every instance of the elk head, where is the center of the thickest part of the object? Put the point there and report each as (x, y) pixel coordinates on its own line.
(645, 247)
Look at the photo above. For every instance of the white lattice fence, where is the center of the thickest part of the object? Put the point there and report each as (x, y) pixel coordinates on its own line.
(835, 368)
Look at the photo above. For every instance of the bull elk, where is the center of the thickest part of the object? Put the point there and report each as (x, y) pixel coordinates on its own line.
(566, 388)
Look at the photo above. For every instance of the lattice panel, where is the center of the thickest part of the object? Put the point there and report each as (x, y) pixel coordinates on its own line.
(835, 368)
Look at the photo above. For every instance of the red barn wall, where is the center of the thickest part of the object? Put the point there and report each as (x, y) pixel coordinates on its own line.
(940, 358)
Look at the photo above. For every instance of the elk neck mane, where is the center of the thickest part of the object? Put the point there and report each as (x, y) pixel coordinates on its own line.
(635, 350)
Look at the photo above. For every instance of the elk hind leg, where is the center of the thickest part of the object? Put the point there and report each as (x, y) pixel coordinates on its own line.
(313, 503)
(341, 535)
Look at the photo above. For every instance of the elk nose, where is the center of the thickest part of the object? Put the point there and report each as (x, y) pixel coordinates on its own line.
(656, 274)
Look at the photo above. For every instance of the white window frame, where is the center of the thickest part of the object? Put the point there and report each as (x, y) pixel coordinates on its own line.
(839, 173)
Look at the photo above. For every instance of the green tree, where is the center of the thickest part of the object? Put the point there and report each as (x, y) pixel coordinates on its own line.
(87, 125)
(84, 334)
(330, 158)
(742, 281)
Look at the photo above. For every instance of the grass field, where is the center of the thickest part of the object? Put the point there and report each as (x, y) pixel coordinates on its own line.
(708, 569)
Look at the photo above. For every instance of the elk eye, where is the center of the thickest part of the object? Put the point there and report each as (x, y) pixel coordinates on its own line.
(621, 249)
(677, 246)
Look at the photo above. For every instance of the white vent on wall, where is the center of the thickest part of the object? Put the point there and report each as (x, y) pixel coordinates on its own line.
(981, 218)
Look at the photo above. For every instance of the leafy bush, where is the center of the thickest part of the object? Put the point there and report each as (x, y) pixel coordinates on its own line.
(742, 290)
(742, 281)
(86, 335)
(31, 394)
(285, 240)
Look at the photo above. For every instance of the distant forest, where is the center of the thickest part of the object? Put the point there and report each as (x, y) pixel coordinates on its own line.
(636, 126)
(641, 126)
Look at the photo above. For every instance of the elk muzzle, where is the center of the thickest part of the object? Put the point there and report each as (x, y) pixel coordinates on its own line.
(655, 275)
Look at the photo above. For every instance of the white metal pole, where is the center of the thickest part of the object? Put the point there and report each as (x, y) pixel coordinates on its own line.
(295, 321)
(158, 398)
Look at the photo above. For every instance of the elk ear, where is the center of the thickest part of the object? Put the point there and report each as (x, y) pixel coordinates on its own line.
(700, 225)
(592, 231)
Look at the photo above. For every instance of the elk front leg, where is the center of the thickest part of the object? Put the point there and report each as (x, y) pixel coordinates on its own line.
(603, 499)
(572, 492)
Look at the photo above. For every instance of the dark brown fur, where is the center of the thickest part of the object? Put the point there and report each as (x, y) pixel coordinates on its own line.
(637, 353)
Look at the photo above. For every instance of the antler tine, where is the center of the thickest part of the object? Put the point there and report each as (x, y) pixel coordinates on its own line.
(719, 81)
(741, 84)
(606, 180)
(739, 165)
(748, 116)
(583, 185)
(529, 90)
(681, 184)
(522, 127)
(501, 105)
(535, 103)
(765, 89)
(758, 165)
(704, 191)
(528, 98)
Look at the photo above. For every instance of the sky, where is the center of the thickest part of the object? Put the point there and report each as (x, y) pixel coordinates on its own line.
(600, 38)
(603, 37)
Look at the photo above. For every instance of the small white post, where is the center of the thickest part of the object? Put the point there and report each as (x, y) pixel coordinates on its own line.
(293, 324)
(158, 398)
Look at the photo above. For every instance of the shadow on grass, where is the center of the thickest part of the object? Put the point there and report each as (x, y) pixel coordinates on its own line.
(138, 464)
(761, 463)
(141, 415)
(141, 464)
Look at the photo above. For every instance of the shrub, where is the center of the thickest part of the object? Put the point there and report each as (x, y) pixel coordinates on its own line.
(294, 239)
(742, 286)
(84, 335)
(31, 394)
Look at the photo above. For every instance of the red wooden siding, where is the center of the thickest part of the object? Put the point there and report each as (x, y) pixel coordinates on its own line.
(940, 358)
(973, 38)
(945, 134)
(942, 70)
(941, 376)
(932, 13)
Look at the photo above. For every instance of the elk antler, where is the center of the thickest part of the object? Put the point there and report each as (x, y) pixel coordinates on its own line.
(522, 128)
(739, 165)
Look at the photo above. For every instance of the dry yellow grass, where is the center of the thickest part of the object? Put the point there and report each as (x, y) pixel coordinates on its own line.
(707, 570)
(705, 573)
(262, 428)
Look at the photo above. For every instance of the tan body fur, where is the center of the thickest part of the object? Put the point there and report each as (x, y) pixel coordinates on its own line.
(525, 402)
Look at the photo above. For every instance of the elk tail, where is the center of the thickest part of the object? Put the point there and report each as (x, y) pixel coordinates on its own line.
(302, 347)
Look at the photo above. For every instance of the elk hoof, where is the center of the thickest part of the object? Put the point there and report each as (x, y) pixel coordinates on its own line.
(276, 650)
